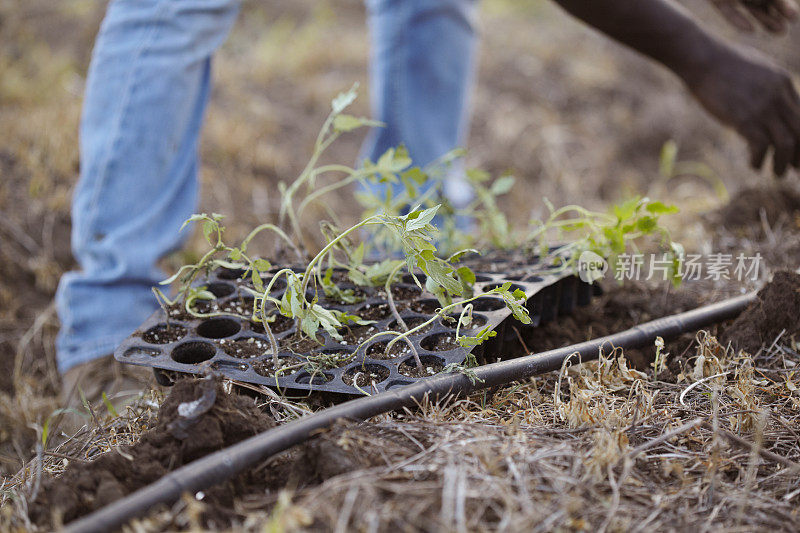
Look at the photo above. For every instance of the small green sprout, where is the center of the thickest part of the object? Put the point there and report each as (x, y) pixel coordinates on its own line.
(608, 234)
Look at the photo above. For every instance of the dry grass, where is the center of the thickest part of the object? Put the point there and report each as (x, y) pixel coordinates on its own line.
(105, 434)
(596, 447)
(610, 449)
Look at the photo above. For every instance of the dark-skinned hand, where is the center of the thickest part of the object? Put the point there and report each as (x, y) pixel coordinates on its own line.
(745, 15)
(759, 101)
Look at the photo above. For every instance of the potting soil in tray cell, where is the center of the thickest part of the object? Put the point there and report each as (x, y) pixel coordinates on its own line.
(240, 349)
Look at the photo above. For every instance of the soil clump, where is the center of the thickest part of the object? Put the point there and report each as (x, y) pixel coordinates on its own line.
(776, 311)
(85, 487)
(619, 308)
(744, 209)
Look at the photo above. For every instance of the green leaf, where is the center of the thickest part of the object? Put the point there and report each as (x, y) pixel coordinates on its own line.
(476, 176)
(109, 406)
(616, 239)
(226, 264)
(416, 175)
(201, 294)
(457, 256)
(448, 158)
(401, 159)
(669, 154)
(327, 279)
(659, 208)
(328, 320)
(310, 324)
(292, 300)
(502, 185)
(514, 301)
(438, 271)
(421, 218)
(194, 218)
(627, 209)
(482, 336)
(466, 318)
(345, 123)
(412, 191)
(358, 277)
(385, 159)
(235, 254)
(466, 275)
(258, 283)
(358, 255)
(574, 226)
(176, 275)
(347, 319)
(262, 265)
(439, 291)
(646, 224)
(335, 292)
(343, 100)
(209, 226)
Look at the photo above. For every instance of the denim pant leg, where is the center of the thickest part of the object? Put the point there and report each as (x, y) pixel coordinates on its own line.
(421, 76)
(146, 91)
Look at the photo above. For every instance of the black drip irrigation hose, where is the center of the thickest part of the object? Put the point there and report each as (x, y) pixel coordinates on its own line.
(224, 464)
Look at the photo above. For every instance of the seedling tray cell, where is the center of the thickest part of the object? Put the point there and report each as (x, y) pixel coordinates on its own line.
(240, 350)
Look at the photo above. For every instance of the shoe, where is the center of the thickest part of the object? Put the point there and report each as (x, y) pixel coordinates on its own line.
(121, 384)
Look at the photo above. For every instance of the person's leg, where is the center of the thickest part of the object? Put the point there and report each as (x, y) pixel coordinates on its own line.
(421, 73)
(146, 90)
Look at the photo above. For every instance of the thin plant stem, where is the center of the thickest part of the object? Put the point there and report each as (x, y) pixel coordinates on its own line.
(278, 232)
(467, 309)
(439, 313)
(354, 176)
(162, 302)
(396, 314)
(330, 245)
(272, 342)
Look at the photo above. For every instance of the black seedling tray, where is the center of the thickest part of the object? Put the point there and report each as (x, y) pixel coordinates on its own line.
(240, 350)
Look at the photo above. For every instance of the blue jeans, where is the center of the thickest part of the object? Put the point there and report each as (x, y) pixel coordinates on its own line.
(421, 73)
(147, 88)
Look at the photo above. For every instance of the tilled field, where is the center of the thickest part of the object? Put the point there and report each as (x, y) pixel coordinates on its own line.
(708, 442)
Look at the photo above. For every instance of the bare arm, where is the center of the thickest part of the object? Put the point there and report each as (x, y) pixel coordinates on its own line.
(739, 88)
(773, 15)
